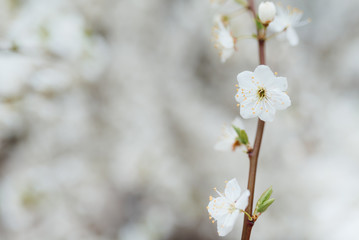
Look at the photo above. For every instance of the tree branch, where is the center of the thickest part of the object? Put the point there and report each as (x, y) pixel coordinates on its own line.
(253, 155)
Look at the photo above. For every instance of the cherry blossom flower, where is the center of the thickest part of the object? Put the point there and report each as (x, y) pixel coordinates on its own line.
(261, 93)
(224, 41)
(266, 12)
(286, 21)
(226, 208)
(228, 141)
(227, 6)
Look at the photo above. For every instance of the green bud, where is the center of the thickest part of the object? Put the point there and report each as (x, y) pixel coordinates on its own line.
(264, 202)
(242, 135)
(265, 205)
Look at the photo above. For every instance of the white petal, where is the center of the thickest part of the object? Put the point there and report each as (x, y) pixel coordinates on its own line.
(280, 100)
(268, 112)
(225, 224)
(277, 25)
(264, 75)
(226, 53)
(232, 190)
(245, 80)
(238, 123)
(218, 207)
(246, 108)
(292, 36)
(224, 145)
(280, 83)
(242, 202)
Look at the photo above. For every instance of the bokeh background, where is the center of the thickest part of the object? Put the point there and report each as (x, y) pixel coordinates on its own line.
(110, 110)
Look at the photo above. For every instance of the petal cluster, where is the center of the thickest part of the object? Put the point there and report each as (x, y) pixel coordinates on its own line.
(286, 21)
(228, 141)
(224, 41)
(261, 93)
(226, 208)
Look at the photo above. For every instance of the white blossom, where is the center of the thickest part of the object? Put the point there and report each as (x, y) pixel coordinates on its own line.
(228, 140)
(266, 12)
(227, 6)
(261, 93)
(224, 41)
(226, 208)
(286, 21)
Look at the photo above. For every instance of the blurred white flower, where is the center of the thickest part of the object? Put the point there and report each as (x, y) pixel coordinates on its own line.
(224, 41)
(56, 28)
(228, 141)
(25, 197)
(261, 93)
(11, 122)
(227, 6)
(266, 12)
(50, 80)
(14, 71)
(225, 208)
(286, 21)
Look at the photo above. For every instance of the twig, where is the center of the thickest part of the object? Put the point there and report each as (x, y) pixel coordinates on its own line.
(253, 155)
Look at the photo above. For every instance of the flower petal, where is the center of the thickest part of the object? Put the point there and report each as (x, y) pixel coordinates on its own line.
(277, 25)
(246, 108)
(268, 112)
(224, 145)
(238, 123)
(245, 80)
(226, 53)
(264, 75)
(242, 202)
(225, 224)
(280, 100)
(218, 207)
(292, 36)
(232, 190)
(280, 83)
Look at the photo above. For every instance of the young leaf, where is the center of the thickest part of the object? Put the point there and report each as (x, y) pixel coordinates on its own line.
(242, 135)
(262, 201)
(265, 205)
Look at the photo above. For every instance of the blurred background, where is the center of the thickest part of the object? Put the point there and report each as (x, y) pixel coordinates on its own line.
(110, 110)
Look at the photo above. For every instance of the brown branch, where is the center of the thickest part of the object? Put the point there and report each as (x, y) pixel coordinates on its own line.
(253, 155)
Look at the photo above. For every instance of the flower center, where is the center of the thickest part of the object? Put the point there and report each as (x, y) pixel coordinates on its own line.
(261, 93)
(232, 208)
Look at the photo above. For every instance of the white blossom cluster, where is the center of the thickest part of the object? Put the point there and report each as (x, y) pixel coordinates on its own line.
(47, 48)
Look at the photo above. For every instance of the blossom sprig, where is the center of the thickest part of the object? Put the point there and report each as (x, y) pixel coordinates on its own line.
(226, 208)
(261, 93)
(285, 22)
(233, 137)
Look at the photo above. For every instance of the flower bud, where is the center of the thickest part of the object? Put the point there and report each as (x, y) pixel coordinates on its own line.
(266, 12)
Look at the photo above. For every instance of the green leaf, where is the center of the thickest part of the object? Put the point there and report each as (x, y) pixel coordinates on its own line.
(265, 205)
(262, 202)
(242, 135)
(266, 195)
